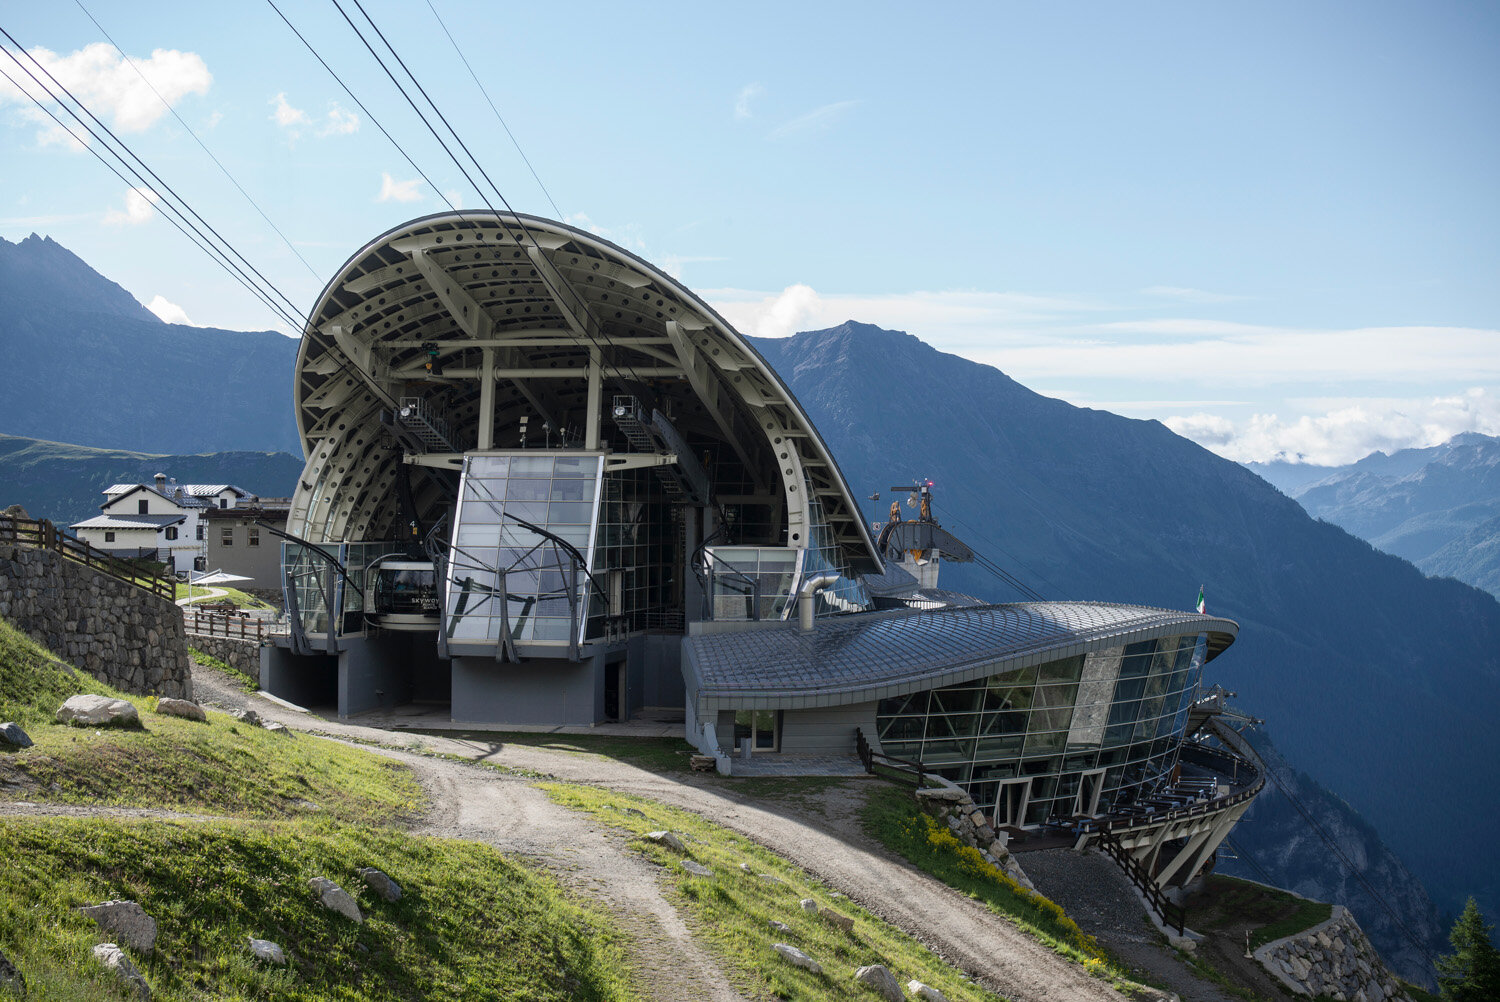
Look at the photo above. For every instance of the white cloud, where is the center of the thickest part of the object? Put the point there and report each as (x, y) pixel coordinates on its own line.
(1345, 430)
(168, 312)
(1189, 295)
(817, 120)
(339, 121)
(285, 115)
(748, 93)
(392, 190)
(138, 208)
(455, 198)
(628, 236)
(110, 87)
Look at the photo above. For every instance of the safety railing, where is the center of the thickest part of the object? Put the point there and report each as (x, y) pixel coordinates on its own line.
(1170, 914)
(42, 534)
(219, 624)
(899, 769)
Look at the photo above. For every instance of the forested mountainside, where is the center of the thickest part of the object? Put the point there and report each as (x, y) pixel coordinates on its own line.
(91, 365)
(62, 482)
(1377, 681)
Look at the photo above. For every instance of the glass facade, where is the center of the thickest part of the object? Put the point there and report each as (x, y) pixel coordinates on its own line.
(1055, 739)
(750, 582)
(502, 574)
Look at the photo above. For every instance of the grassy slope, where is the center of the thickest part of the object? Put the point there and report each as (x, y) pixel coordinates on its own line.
(473, 924)
(893, 818)
(235, 597)
(733, 908)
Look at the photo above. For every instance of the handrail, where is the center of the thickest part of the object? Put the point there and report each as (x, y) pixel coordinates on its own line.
(905, 767)
(215, 624)
(42, 534)
(1170, 914)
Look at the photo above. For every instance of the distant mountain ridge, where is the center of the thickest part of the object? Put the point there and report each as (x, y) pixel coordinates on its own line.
(1378, 681)
(92, 365)
(1438, 507)
(63, 482)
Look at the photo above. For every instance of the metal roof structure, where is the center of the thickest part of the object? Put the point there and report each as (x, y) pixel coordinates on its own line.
(488, 317)
(874, 656)
(128, 521)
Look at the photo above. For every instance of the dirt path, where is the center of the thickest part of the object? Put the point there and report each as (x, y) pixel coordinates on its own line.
(823, 838)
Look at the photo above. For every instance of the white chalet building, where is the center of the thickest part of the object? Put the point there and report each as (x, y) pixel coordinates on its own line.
(163, 522)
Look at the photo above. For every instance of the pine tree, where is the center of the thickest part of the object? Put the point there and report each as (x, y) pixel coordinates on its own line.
(1472, 972)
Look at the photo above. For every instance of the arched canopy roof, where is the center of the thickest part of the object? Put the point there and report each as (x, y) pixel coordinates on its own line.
(859, 658)
(536, 301)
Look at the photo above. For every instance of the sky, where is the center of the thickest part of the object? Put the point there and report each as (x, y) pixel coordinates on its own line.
(1271, 226)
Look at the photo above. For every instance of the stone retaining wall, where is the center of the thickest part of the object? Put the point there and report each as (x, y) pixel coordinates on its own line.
(950, 804)
(118, 633)
(237, 653)
(1334, 959)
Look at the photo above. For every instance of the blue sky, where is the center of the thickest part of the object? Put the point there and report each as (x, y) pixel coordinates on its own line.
(1272, 226)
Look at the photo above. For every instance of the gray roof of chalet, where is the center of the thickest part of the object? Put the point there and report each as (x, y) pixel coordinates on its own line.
(852, 659)
(128, 521)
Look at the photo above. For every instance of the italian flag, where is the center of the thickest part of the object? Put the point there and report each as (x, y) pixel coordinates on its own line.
(1201, 606)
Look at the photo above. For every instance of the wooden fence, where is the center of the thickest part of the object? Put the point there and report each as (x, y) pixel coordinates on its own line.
(1170, 914)
(218, 624)
(43, 535)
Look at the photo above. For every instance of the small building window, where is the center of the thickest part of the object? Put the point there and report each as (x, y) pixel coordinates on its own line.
(142, 507)
(171, 532)
(201, 531)
(223, 502)
(226, 536)
(252, 536)
(109, 537)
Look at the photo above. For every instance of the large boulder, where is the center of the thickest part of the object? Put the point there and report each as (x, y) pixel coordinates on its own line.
(382, 885)
(332, 896)
(796, 957)
(927, 992)
(127, 921)
(265, 950)
(881, 981)
(668, 839)
(113, 958)
(246, 716)
(184, 708)
(11, 734)
(94, 711)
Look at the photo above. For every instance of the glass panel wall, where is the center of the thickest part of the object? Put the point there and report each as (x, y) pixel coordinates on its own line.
(502, 572)
(750, 582)
(1122, 710)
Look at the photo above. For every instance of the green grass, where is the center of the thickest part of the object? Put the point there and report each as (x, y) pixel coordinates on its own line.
(1226, 901)
(732, 909)
(236, 676)
(233, 596)
(660, 755)
(472, 924)
(218, 767)
(892, 817)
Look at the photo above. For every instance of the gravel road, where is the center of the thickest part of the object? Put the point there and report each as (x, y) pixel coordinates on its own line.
(823, 837)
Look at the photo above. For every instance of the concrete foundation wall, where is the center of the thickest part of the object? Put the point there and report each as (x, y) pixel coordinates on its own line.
(533, 692)
(660, 677)
(121, 635)
(306, 681)
(825, 731)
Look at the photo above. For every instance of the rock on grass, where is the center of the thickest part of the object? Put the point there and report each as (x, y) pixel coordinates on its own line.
(92, 711)
(796, 957)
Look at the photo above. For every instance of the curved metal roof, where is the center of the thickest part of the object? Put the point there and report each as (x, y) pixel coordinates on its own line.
(853, 659)
(538, 293)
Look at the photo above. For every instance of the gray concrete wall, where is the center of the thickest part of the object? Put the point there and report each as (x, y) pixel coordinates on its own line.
(533, 692)
(261, 563)
(306, 681)
(374, 673)
(121, 635)
(827, 731)
(660, 678)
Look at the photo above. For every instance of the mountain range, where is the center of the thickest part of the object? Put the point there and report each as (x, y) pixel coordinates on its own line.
(63, 482)
(1377, 681)
(1438, 507)
(91, 365)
